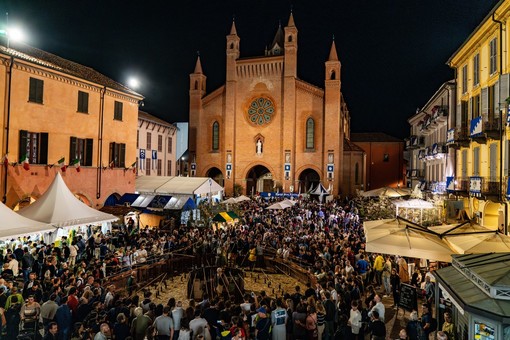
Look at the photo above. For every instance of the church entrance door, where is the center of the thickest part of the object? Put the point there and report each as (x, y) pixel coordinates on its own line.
(217, 175)
(308, 179)
(259, 179)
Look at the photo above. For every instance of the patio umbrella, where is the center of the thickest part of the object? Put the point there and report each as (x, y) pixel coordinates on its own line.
(292, 203)
(242, 198)
(279, 206)
(405, 239)
(473, 239)
(231, 200)
(386, 192)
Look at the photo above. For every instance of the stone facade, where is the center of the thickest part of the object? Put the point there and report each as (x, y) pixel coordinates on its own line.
(265, 129)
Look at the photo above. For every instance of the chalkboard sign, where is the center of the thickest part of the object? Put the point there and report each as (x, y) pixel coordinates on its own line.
(408, 298)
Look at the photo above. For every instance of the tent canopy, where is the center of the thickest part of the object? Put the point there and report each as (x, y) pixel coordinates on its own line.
(392, 236)
(14, 224)
(59, 207)
(222, 217)
(319, 190)
(171, 185)
(414, 203)
(180, 202)
(386, 192)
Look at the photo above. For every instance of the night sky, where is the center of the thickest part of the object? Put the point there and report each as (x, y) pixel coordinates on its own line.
(393, 52)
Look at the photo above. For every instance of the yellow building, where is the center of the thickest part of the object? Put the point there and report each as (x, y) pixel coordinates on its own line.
(56, 114)
(479, 134)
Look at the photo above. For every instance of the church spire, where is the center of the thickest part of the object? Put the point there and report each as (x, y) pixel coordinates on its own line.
(333, 56)
(291, 20)
(198, 65)
(233, 30)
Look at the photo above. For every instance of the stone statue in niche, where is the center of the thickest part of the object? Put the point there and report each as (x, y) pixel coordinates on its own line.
(259, 147)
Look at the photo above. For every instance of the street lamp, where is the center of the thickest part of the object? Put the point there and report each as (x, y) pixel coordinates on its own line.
(14, 34)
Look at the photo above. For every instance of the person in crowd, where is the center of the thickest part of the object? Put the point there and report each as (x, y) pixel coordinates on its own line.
(104, 332)
(377, 327)
(164, 325)
(448, 326)
(52, 333)
(395, 287)
(414, 328)
(386, 276)
(426, 319)
(177, 316)
(379, 307)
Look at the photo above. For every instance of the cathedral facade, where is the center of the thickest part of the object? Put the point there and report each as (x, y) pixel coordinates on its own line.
(266, 130)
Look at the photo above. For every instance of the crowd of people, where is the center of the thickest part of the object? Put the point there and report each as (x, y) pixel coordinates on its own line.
(61, 290)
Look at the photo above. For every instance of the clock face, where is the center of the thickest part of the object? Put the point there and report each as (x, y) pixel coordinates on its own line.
(261, 111)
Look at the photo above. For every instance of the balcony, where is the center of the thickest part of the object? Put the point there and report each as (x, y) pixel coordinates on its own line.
(440, 113)
(485, 127)
(414, 173)
(457, 137)
(414, 142)
(457, 185)
(484, 186)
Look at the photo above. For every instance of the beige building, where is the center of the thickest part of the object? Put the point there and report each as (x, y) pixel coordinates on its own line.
(266, 129)
(156, 146)
(57, 115)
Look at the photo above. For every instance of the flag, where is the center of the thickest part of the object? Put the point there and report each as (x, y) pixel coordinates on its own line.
(111, 165)
(62, 164)
(24, 161)
(76, 164)
(5, 160)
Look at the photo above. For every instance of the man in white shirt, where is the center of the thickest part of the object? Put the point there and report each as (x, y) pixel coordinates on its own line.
(198, 324)
(14, 265)
(379, 307)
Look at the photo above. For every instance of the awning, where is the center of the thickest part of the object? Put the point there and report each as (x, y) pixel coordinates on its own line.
(178, 202)
(128, 198)
(143, 201)
(159, 202)
(222, 217)
(232, 214)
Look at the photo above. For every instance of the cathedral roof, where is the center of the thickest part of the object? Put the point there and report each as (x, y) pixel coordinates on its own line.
(278, 41)
(350, 146)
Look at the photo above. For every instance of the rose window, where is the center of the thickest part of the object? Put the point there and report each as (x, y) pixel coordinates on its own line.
(260, 111)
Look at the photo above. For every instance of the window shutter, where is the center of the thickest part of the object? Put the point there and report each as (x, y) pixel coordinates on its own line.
(485, 100)
(32, 90)
(40, 90)
(504, 80)
(88, 151)
(122, 156)
(23, 140)
(72, 149)
(460, 122)
(112, 153)
(471, 110)
(496, 98)
(493, 167)
(43, 148)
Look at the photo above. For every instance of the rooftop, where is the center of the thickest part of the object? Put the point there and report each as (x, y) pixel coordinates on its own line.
(146, 116)
(54, 62)
(379, 137)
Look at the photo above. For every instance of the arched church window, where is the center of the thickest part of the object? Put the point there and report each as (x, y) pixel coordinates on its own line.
(333, 75)
(310, 134)
(216, 136)
(356, 173)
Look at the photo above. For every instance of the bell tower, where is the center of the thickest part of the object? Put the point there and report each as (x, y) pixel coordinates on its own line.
(196, 93)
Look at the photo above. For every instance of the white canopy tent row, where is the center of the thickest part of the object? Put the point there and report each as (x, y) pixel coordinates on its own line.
(14, 225)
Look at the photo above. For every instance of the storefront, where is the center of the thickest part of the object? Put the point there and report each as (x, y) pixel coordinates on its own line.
(475, 289)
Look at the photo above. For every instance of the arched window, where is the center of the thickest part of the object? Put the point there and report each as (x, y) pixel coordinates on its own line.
(232, 46)
(290, 38)
(356, 173)
(333, 75)
(196, 84)
(216, 136)
(310, 134)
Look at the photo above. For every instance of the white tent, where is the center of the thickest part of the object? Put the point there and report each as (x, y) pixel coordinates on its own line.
(413, 205)
(386, 192)
(177, 185)
(59, 207)
(13, 224)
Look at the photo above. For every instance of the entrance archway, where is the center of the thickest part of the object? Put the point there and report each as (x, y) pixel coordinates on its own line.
(217, 175)
(307, 179)
(259, 179)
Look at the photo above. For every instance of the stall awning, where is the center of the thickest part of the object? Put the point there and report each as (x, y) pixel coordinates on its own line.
(128, 198)
(232, 214)
(178, 202)
(222, 217)
(159, 202)
(143, 201)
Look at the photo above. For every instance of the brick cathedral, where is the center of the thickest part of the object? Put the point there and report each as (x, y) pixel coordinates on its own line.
(265, 129)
